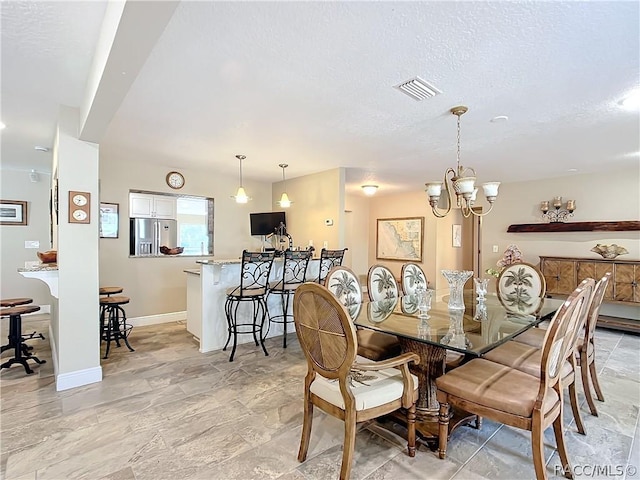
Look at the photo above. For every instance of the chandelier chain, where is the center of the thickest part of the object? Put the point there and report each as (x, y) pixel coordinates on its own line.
(458, 152)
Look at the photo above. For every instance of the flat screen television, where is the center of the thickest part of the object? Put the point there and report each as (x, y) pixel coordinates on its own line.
(266, 223)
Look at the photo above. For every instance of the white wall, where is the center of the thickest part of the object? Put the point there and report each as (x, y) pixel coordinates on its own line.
(158, 285)
(606, 196)
(77, 339)
(315, 198)
(438, 252)
(16, 185)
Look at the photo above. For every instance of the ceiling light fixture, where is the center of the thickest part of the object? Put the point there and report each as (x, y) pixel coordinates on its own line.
(369, 190)
(463, 183)
(241, 195)
(631, 101)
(284, 199)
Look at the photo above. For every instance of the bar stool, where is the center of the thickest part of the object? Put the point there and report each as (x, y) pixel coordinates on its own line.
(14, 302)
(254, 281)
(294, 271)
(108, 291)
(21, 352)
(328, 260)
(113, 322)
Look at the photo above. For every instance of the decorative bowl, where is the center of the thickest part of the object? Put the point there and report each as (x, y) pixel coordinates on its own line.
(609, 251)
(171, 251)
(50, 256)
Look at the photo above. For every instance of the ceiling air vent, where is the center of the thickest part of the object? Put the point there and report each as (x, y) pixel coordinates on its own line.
(418, 89)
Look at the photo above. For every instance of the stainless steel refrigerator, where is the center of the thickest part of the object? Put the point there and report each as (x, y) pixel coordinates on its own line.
(149, 234)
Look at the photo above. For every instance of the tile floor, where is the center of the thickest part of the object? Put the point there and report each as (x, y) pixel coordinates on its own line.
(169, 412)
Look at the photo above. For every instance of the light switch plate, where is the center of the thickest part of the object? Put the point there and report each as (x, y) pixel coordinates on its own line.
(31, 244)
(495, 249)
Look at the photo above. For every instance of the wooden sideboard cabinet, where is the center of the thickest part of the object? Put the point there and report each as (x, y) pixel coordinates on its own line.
(564, 274)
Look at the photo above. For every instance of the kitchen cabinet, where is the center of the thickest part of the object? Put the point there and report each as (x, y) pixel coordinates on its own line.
(564, 274)
(146, 205)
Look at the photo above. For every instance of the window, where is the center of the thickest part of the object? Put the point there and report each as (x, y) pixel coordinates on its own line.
(194, 225)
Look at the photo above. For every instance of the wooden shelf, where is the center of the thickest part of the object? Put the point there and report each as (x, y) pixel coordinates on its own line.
(626, 226)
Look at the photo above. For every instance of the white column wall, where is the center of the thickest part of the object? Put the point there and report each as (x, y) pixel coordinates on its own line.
(77, 342)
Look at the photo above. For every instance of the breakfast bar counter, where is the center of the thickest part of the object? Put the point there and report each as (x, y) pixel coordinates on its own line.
(206, 295)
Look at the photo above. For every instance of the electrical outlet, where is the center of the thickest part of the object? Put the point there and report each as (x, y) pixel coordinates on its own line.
(325, 244)
(31, 264)
(31, 244)
(495, 249)
(328, 222)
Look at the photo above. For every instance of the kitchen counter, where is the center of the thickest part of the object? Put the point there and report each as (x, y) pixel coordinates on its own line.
(45, 272)
(206, 296)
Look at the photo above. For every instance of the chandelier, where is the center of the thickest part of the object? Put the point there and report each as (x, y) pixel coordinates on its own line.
(462, 182)
(241, 195)
(284, 199)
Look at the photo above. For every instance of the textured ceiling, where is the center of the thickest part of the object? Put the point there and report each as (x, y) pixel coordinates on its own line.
(311, 84)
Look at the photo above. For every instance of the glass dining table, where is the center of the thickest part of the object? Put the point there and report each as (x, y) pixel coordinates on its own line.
(459, 334)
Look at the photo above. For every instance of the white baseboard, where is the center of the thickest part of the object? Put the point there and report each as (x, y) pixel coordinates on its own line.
(65, 381)
(72, 379)
(156, 319)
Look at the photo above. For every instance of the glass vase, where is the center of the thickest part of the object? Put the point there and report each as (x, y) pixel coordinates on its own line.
(481, 288)
(456, 279)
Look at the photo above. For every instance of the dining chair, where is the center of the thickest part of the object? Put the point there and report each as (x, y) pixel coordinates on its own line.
(328, 260)
(381, 284)
(344, 284)
(515, 398)
(254, 280)
(294, 270)
(521, 288)
(586, 347)
(411, 277)
(339, 382)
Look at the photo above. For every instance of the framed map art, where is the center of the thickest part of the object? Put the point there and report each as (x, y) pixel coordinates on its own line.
(400, 239)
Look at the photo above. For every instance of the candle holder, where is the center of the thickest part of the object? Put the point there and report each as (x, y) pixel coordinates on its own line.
(557, 214)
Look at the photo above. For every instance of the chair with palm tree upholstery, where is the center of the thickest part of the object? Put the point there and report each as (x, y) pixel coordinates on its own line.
(412, 277)
(294, 270)
(515, 398)
(328, 260)
(381, 284)
(339, 382)
(585, 345)
(521, 288)
(344, 284)
(254, 281)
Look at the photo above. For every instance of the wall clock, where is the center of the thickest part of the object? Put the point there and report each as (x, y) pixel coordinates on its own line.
(79, 207)
(175, 180)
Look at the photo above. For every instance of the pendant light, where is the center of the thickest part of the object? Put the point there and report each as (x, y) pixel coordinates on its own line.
(241, 195)
(284, 199)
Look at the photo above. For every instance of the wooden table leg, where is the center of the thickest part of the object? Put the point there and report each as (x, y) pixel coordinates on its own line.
(431, 366)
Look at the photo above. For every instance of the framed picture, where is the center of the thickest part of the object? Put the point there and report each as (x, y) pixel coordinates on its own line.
(13, 212)
(456, 235)
(400, 239)
(109, 220)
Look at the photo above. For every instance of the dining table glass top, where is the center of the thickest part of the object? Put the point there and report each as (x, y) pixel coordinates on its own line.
(472, 331)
